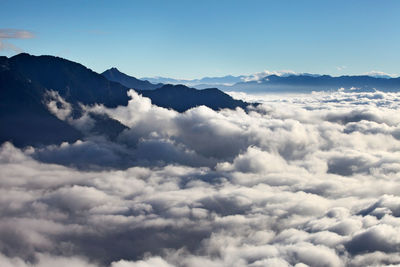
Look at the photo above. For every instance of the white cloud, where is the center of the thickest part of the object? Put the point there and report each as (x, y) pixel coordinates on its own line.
(57, 105)
(155, 261)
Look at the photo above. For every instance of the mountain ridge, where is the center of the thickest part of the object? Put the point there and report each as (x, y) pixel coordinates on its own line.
(211, 97)
(113, 74)
(289, 81)
(73, 81)
(24, 119)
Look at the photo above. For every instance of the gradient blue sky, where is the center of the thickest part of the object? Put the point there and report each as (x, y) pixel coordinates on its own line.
(190, 39)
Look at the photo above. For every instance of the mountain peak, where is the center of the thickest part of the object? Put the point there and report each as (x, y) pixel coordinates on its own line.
(114, 69)
(21, 55)
(115, 75)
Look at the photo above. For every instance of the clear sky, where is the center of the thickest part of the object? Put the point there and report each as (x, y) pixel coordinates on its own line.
(191, 39)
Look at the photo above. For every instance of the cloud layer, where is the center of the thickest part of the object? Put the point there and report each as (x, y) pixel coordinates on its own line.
(300, 180)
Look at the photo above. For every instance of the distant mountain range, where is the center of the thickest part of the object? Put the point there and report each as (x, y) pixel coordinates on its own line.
(26, 83)
(290, 82)
(309, 83)
(205, 82)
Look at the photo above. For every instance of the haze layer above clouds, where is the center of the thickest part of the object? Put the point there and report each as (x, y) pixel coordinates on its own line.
(310, 179)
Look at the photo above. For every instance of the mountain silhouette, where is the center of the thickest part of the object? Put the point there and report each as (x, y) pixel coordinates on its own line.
(178, 97)
(182, 98)
(115, 75)
(73, 81)
(24, 119)
(26, 80)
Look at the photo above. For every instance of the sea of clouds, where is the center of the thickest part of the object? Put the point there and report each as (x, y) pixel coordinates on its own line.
(309, 180)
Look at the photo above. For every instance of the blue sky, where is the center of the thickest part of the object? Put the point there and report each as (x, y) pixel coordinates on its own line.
(191, 39)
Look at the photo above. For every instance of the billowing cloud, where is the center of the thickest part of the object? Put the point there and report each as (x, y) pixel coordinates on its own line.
(296, 181)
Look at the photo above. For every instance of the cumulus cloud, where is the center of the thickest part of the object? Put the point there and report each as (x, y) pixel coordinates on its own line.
(310, 180)
(6, 34)
(57, 105)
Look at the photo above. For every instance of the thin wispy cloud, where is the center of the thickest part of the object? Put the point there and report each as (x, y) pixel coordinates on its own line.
(15, 34)
(340, 68)
(6, 34)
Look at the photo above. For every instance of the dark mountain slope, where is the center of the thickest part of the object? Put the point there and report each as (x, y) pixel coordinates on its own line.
(182, 98)
(24, 119)
(115, 75)
(73, 81)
